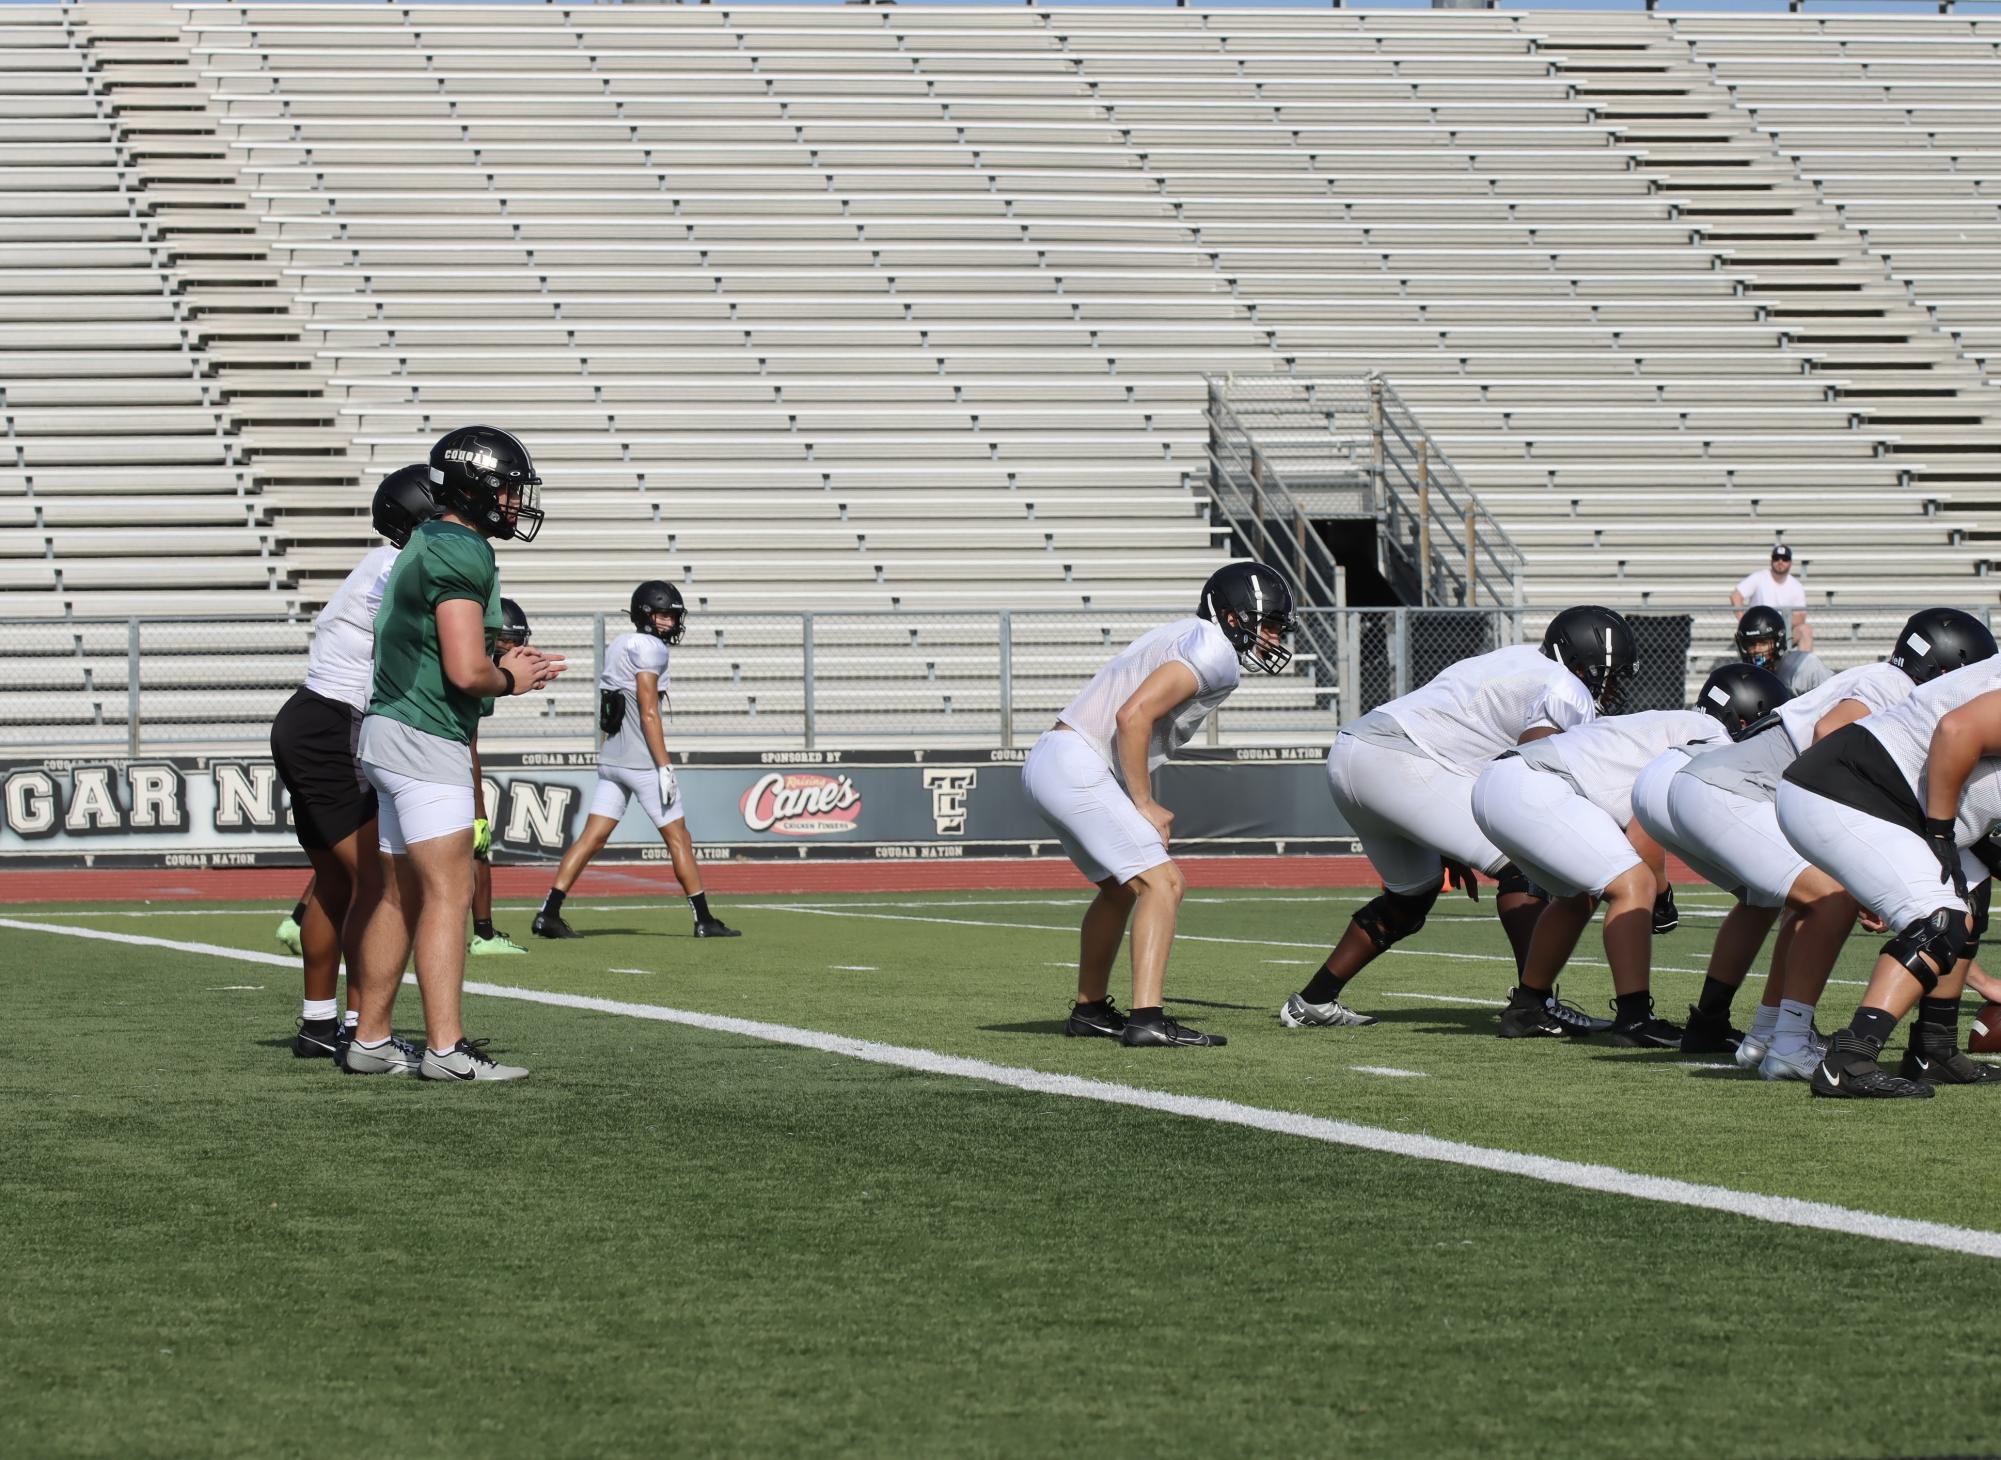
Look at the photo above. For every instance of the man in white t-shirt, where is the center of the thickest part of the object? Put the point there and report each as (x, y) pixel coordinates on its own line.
(1091, 778)
(1777, 588)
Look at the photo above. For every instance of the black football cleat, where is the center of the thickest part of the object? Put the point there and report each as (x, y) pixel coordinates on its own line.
(1101, 1020)
(317, 1039)
(1649, 1031)
(1935, 1059)
(1848, 1071)
(1527, 1016)
(1705, 1034)
(715, 928)
(551, 925)
(1166, 1034)
(1667, 917)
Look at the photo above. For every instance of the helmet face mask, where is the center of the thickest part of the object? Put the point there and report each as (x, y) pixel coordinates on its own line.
(514, 630)
(654, 600)
(1252, 605)
(484, 475)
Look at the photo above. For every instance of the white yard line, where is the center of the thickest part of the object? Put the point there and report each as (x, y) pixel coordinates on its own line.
(1780, 1210)
(1389, 1070)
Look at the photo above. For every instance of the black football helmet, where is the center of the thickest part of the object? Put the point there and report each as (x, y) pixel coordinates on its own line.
(1743, 698)
(1597, 645)
(402, 503)
(1936, 641)
(654, 596)
(513, 622)
(484, 475)
(1243, 600)
(1762, 622)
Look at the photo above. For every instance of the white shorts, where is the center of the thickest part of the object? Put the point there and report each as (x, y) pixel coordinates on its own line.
(1090, 811)
(409, 810)
(1408, 811)
(620, 785)
(1733, 841)
(1886, 867)
(1561, 841)
(1650, 798)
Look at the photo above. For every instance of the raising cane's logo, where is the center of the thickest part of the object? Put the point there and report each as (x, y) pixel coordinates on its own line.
(801, 803)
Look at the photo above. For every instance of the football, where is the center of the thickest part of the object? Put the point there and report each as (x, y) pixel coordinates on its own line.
(1985, 1035)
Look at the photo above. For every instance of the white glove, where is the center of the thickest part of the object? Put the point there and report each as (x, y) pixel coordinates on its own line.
(670, 789)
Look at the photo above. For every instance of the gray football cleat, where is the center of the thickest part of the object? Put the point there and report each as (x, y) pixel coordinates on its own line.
(397, 1057)
(1298, 1014)
(468, 1061)
(1750, 1051)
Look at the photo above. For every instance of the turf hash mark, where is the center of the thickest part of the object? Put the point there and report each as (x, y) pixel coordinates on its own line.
(1782, 1211)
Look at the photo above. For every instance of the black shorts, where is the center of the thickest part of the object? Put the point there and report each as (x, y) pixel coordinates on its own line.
(312, 741)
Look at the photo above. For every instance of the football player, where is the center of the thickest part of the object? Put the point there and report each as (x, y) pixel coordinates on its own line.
(632, 761)
(440, 609)
(488, 941)
(1091, 778)
(1402, 777)
(1761, 641)
(1721, 819)
(313, 739)
(1889, 805)
(1561, 808)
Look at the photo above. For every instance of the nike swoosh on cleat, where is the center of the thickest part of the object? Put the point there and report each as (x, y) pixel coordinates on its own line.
(1923, 1063)
(1832, 1078)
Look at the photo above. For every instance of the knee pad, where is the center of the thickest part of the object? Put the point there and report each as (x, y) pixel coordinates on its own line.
(1513, 879)
(1394, 916)
(1931, 946)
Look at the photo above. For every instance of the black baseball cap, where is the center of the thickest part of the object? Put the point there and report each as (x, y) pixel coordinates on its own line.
(1780, 550)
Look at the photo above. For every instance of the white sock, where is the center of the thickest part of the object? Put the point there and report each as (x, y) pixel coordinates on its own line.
(371, 1044)
(318, 1011)
(1765, 1023)
(439, 1053)
(352, 1018)
(1795, 1025)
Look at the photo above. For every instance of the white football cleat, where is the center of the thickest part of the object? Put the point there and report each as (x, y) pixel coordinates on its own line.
(1298, 1014)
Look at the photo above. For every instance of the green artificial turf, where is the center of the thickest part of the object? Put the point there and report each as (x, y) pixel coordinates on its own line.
(670, 1241)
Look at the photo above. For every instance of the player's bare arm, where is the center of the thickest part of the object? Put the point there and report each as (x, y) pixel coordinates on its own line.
(1963, 736)
(1168, 686)
(1845, 713)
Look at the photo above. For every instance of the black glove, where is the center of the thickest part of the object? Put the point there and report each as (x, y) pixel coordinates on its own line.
(1460, 875)
(1939, 836)
(1667, 917)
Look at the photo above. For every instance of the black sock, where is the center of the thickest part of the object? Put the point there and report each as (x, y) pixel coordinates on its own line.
(553, 903)
(1093, 1006)
(1874, 1025)
(299, 912)
(1943, 1012)
(1149, 1015)
(700, 903)
(1324, 987)
(1522, 996)
(1714, 1001)
(1633, 1007)
(482, 928)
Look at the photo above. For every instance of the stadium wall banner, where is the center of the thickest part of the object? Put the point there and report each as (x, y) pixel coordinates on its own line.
(231, 811)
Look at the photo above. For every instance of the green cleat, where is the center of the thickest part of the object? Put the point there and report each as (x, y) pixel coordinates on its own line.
(288, 936)
(493, 947)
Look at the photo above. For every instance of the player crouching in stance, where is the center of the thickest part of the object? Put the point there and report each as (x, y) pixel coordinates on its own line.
(632, 761)
(1562, 808)
(1888, 806)
(432, 669)
(313, 740)
(1402, 777)
(1090, 777)
(487, 940)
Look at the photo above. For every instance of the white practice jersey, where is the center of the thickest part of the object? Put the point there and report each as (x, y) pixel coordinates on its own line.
(628, 657)
(1879, 686)
(342, 662)
(1905, 730)
(1193, 641)
(1479, 707)
(1980, 802)
(1605, 757)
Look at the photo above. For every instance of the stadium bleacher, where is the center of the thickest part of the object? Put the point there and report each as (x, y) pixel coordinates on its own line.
(907, 309)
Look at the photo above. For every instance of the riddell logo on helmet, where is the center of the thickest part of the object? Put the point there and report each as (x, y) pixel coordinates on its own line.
(801, 803)
(477, 460)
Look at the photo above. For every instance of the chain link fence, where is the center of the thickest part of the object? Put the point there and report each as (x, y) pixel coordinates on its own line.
(778, 681)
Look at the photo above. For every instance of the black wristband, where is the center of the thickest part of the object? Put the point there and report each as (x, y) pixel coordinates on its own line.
(508, 675)
(1940, 826)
